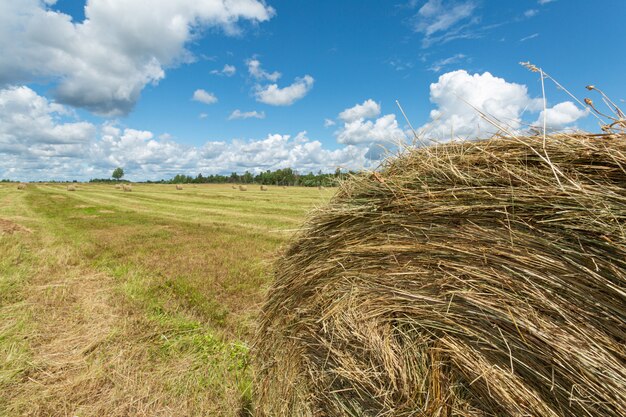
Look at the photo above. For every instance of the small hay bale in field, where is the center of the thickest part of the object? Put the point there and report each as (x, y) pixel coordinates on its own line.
(263, 188)
(466, 279)
(118, 187)
(71, 188)
(127, 188)
(243, 188)
(234, 187)
(21, 186)
(179, 187)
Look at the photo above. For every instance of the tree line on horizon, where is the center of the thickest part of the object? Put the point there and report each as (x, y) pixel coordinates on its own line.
(281, 177)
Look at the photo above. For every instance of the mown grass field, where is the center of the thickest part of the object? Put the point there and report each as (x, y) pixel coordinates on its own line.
(139, 303)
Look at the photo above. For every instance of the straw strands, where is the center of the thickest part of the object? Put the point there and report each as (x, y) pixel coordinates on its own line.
(467, 279)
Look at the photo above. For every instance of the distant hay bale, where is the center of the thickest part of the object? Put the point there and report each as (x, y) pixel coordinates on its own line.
(319, 187)
(234, 187)
(263, 188)
(179, 187)
(118, 187)
(21, 186)
(243, 188)
(71, 188)
(127, 187)
(467, 279)
(284, 188)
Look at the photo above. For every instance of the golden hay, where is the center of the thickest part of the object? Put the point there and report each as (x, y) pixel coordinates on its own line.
(21, 186)
(127, 188)
(118, 187)
(71, 188)
(468, 279)
(179, 187)
(263, 188)
(243, 188)
(234, 187)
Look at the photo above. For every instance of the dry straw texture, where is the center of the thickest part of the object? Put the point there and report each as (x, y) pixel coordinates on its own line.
(263, 188)
(468, 279)
(21, 186)
(127, 188)
(118, 187)
(243, 188)
(71, 188)
(179, 187)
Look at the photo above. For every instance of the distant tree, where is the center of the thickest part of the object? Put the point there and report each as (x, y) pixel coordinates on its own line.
(118, 173)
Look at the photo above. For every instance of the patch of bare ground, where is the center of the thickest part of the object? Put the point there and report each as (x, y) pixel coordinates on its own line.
(9, 227)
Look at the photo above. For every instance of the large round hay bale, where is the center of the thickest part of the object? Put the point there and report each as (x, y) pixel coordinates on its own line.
(243, 188)
(71, 188)
(264, 188)
(469, 279)
(179, 187)
(127, 187)
(21, 186)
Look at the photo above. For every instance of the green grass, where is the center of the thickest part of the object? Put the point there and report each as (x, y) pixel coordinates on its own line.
(139, 303)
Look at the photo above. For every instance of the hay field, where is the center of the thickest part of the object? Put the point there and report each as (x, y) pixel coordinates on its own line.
(142, 303)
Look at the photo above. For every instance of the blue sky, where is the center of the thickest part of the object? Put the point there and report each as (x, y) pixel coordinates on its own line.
(88, 86)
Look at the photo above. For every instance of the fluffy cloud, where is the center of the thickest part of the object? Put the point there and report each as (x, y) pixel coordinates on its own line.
(38, 141)
(367, 110)
(228, 71)
(24, 114)
(238, 114)
(442, 21)
(204, 97)
(362, 128)
(461, 98)
(276, 96)
(103, 63)
(255, 70)
(561, 115)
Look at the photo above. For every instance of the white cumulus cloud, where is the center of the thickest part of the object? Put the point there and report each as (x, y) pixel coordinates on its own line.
(42, 140)
(204, 97)
(367, 110)
(460, 97)
(103, 63)
(274, 95)
(561, 115)
(255, 70)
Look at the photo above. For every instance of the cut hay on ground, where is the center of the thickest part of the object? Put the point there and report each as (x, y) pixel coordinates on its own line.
(71, 188)
(21, 186)
(470, 279)
(263, 188)
(118, 187)
(243, 188)
(179, 187)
